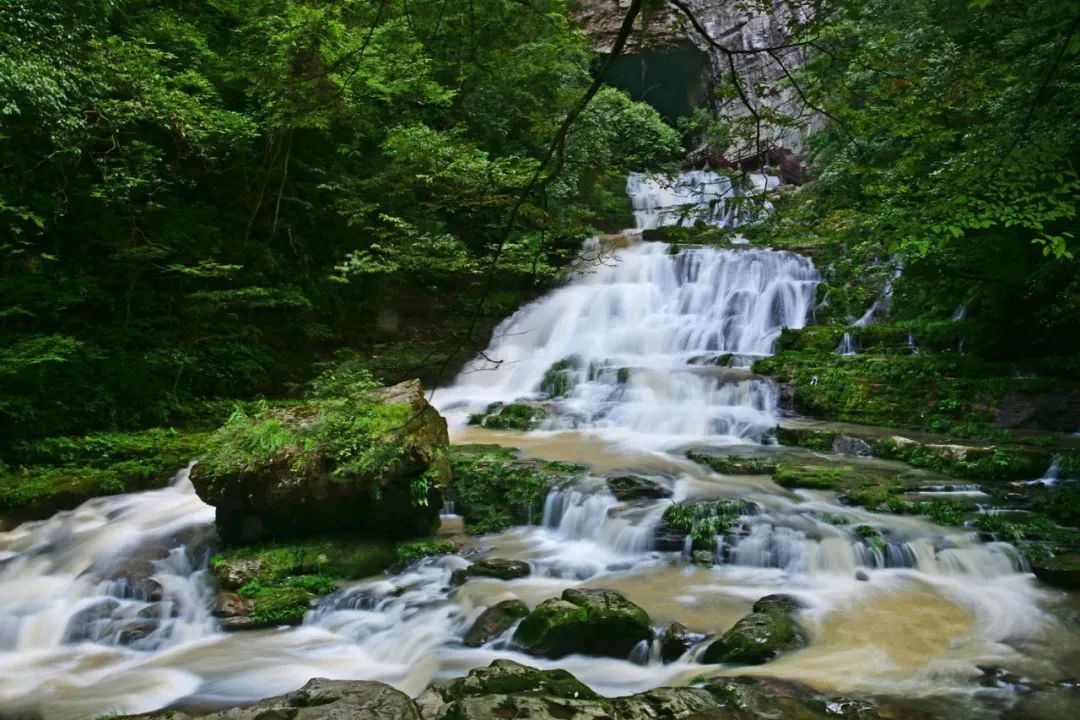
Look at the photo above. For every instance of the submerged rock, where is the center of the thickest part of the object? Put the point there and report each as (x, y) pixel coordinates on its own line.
(635, 487)
(591, 622)
(760, 636)
(676, 640)
(494, 621)
(372, 463)
(512, 416)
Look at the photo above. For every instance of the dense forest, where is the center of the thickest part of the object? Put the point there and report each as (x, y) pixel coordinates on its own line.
(236, 231)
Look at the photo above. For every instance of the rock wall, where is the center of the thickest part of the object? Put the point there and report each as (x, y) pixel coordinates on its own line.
(662, 28)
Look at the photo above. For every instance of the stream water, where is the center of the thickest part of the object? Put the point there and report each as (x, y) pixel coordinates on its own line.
(106, 607)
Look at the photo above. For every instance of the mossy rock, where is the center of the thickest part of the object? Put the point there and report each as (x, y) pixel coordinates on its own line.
(754, 698)
(635, 487)
(371, 463)
(341, 558)
(61, 473)
(1062, 571)
(562, 377)
(494, 488)
(512, 416)
(761, 635)
(732, 464)
(592, 622)
(701, 520)
(812, 477)
(494, 621)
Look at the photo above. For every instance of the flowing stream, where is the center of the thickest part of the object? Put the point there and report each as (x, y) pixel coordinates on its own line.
(106, 608)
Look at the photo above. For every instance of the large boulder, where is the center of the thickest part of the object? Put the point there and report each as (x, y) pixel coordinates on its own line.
(371, 462)
(1062, 571)
(494, 621)
(760, 636)
(319, 699)
(507, 689)
(591, 622)
(635, 487)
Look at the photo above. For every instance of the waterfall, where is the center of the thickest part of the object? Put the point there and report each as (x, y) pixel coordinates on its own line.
(847, 345)
(120, 571)
(697, 196)
(638, 341)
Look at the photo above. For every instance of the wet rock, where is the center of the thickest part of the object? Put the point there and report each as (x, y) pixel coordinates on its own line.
(669, 702)
(676, 640)
(996, 677)
(233, 572)
(848, 445)
(322, 699)
(1062, 571)
(512, 416)
(760, 636)
(87, 623)
(729, 464)
(231, 605)
(754, 698)
(862, 576)
(318, 487)
(511, 690)
(131, 633)
(592, 622)
(635, 487)
(133, 577)
(158, 611)
(704, 558)
(499, 569)
(494, 621)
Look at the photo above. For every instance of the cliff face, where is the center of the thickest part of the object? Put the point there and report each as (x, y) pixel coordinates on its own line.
(663, 33)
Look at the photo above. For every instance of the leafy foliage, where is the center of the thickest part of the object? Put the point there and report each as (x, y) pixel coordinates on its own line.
(198, 200)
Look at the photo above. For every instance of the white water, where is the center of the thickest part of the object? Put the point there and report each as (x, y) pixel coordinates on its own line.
(930, 603)
(698, 196)
(642, 334)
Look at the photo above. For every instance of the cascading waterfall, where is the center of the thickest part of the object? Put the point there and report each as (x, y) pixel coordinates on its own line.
(108, 607)
(698, 196)
(638, 340)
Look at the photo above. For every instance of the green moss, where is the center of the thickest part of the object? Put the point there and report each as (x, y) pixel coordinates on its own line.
(704, 520)
(61, 472)
(406, 554)
(865, 531)
(504, 677)
(814, 478)
(280, 605)
(513, 416)
(493, 488)
(758, 637)
(561, 378)
(595, 622)
(272, 564)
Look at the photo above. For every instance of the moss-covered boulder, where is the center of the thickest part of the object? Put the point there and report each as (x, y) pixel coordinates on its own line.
(591, 622)
(509, 416)
(494, 621)
(1062, 571)
(509, 689)
(494, 487)
(760, 636)
(371, 462)
(635, 487)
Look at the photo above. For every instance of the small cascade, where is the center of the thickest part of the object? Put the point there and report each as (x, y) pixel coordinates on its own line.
(698, 196)
(767, 545)
(127, 570)
(577, 514)
(1050, 477)
(847, 345)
